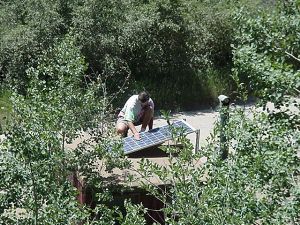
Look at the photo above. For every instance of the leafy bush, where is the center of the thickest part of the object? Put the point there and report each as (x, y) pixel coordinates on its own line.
(265, 50)
(27, 28)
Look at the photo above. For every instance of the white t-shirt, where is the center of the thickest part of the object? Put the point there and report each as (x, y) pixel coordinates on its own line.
(132, 110)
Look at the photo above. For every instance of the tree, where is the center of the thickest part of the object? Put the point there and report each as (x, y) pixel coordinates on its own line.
(35, 163)
(259, 182)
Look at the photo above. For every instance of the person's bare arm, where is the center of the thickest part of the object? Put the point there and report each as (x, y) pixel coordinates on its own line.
(136, 134)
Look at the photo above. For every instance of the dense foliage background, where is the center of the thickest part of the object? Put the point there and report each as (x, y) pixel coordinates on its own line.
(161, 44)
(65, 66)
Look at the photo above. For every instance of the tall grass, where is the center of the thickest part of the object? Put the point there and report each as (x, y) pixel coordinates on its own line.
(216, 82)
(190, 91)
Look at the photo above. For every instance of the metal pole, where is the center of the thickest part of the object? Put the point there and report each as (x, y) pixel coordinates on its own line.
(197, 140)
(224, 116)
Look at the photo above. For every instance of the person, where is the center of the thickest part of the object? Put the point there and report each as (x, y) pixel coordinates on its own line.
(138, 109)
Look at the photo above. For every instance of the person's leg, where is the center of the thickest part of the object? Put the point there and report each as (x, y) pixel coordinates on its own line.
(122, 128)
(147, 119)
(151, 123)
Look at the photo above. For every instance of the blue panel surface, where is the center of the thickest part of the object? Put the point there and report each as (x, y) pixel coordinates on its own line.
(156, 136)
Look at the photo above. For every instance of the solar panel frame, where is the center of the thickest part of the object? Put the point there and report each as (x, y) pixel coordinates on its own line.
(155, 136)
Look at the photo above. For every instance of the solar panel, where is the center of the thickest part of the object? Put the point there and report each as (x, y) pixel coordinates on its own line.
(156, 136)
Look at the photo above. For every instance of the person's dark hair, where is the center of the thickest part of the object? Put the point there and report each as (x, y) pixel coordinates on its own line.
(144, 96)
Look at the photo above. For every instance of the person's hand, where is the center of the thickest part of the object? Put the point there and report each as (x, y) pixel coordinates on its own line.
(137, 136)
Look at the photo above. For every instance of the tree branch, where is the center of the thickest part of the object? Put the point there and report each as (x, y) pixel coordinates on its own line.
(294, 57)
(289, 54)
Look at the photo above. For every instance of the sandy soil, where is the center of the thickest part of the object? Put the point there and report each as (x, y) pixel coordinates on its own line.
(201, 119)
